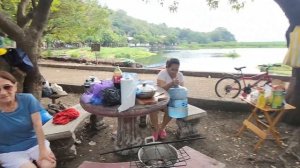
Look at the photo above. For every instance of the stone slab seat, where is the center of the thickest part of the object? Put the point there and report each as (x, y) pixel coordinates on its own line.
(62, 137)
(54, 132)
(194, 113)
(197, 160)
(187, 127)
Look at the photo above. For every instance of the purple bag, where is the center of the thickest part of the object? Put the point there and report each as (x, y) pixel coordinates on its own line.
(86, 97)
(97, 88)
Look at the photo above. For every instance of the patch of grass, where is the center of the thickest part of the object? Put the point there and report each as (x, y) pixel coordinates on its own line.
(121, 52)
(281, 69)
(232, 54)
(75, 55)
(195, 46)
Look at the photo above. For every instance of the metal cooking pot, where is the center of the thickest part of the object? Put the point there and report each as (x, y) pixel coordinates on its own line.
(160, 155)
(145, 91)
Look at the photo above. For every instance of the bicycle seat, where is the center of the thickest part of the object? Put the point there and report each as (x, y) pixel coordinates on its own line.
(240, 68)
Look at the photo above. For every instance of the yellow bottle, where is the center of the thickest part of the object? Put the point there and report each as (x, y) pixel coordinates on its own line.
(261, 101)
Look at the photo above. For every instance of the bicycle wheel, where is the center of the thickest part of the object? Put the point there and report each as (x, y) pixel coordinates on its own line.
(228, 87)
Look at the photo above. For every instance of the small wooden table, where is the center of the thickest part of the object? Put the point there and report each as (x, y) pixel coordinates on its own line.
(263, 129)
(128, 132)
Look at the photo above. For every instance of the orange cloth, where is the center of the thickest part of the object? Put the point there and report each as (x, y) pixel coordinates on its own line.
(65, 116)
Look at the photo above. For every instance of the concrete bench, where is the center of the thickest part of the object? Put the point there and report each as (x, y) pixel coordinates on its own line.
(195, 160)
(187, 127)
(62, 137)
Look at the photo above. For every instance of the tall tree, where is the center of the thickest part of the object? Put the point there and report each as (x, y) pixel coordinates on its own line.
(26, 30)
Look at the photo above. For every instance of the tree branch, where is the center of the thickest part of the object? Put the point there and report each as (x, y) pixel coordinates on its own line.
(33, 2)
(40, 17)
(10, 28)
(49, 30)
(22, 19)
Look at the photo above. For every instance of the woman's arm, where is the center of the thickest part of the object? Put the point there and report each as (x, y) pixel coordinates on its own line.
(37, 125)
(167, 86)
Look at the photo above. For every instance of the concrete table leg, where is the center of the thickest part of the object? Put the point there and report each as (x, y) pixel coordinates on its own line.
(128, 135)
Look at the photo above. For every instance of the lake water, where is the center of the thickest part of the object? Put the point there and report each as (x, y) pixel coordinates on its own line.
(211, 60)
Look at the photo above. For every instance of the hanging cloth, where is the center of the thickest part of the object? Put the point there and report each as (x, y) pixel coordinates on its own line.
(292, 57)
(18, 58)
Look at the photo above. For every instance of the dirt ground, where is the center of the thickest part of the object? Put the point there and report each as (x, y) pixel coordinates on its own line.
(218, 128)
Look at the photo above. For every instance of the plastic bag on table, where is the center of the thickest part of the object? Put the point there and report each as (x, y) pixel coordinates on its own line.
(111, 96)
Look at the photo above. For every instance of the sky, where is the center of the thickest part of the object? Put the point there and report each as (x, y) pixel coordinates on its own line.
(260, 20)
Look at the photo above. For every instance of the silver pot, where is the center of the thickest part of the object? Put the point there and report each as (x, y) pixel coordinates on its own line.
(160, 155)
(145, 91)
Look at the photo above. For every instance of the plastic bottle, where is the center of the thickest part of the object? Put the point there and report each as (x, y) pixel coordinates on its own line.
(261, 101)
(117, 77)
(278, 97)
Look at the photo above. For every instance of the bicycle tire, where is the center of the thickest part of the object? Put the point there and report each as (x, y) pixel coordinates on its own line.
(229, 85)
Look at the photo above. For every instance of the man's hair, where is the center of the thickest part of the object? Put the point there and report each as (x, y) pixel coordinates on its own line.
(172, 61)
(8, 76)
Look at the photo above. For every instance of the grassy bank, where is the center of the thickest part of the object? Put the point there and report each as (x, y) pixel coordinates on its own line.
(195, 46)
(105, 53)
(281, 70)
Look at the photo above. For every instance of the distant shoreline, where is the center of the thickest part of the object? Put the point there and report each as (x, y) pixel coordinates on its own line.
(195, 46)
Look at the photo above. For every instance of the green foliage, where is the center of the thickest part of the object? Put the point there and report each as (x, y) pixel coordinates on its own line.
(122, 55)
(5, 42)
(9, 7)
(279, 70)
(232, 54)
(75, 20)
(122, 52)
(49, 53)
(75, 55)
(143, 32)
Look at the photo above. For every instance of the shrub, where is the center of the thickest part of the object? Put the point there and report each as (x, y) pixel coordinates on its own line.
(75, 55)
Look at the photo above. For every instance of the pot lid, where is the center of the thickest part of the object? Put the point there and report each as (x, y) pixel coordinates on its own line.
(145, 87)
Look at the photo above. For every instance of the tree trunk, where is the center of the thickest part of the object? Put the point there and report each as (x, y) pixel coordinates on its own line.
(32, 82)
(293, 98)
(291, 9)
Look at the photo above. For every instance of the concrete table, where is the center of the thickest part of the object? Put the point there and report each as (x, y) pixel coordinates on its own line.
(128, 132)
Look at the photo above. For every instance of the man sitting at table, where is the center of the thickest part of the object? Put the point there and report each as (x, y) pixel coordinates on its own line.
(167, 78)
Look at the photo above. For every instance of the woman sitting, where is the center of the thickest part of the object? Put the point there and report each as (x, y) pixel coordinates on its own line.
(167, 78)
(22, 138)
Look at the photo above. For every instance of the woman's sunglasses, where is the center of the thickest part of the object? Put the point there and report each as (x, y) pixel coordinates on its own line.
(7, 87)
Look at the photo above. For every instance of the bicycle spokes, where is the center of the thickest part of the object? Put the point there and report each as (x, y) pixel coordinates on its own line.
(228, 87)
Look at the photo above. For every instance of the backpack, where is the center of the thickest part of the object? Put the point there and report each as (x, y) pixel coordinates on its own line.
(18, 58)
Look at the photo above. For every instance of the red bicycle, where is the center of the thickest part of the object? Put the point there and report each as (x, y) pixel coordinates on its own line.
(231, 86)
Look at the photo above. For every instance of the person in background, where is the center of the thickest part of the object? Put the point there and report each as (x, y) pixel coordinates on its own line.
(22, 139)
(167, 78)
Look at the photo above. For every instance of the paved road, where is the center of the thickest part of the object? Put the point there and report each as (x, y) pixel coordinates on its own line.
(199, 87)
